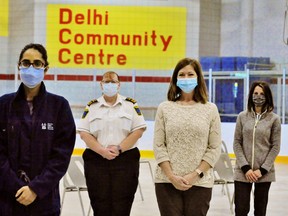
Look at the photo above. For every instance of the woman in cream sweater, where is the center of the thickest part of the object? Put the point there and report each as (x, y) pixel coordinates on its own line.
(187, 143)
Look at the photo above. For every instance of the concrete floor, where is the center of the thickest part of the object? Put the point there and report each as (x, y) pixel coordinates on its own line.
(219, 205)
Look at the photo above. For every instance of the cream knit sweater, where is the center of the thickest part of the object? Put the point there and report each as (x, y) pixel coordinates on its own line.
(185, 135)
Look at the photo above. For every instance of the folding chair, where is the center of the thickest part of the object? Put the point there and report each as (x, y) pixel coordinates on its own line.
(223, 174)
(224, 147)
(142, 161)
(74, 180)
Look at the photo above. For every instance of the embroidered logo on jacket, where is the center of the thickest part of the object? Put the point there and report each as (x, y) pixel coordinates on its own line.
(85, 113)
(137, 110)
(47, 126)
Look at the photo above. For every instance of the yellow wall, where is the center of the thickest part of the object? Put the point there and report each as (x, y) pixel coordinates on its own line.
(4, 15)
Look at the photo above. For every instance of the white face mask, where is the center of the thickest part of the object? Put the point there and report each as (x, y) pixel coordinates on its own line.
(110, 89)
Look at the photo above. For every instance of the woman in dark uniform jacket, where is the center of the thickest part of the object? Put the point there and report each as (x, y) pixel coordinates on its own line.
(37, 137)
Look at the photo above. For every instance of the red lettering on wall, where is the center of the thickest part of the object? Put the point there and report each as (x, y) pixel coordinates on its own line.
(109, 56)
(61, 37)
(92, 17)
(78, 58)
(60, 56)
(90, 59)
(121, 59)
(79, 39)
(101, 56)
(79, 19)
(65, 19)
(65, 56)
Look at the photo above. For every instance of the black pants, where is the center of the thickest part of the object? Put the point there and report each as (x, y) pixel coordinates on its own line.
(173, 202)
(111, 183)
(242, 198)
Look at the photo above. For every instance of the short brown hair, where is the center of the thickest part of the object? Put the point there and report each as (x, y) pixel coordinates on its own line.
(109, 73)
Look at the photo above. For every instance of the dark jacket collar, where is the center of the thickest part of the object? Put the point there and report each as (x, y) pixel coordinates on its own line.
(20, 94)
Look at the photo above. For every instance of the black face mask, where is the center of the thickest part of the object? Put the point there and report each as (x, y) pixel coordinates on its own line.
(258, 100)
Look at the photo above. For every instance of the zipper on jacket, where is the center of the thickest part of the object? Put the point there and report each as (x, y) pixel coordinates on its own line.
(257, 119)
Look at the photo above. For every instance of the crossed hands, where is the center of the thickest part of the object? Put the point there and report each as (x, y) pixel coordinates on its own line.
(253, 176)
(184, 183)
(25, 196)
(111, 152)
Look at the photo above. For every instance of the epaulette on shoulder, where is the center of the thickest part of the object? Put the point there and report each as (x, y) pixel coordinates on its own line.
(131, 100)
(91, 102)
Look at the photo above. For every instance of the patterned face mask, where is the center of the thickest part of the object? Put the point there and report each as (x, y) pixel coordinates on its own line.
(258, 100)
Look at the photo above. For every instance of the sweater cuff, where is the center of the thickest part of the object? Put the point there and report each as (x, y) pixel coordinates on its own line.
(245, 168)
(263, 171)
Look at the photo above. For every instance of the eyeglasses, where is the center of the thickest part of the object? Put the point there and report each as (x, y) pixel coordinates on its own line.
(37, 64)
(110, 81)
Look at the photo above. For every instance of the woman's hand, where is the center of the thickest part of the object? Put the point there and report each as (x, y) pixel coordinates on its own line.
(25, 196)
(258, 173)
(180, 183)
(192, 177)
(251, 176)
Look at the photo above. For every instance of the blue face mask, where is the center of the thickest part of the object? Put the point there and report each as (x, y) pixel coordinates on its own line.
(110, 89)
(31, 77)
(187, 85)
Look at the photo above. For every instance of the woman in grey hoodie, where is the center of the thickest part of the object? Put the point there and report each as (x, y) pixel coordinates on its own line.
(256, 145)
